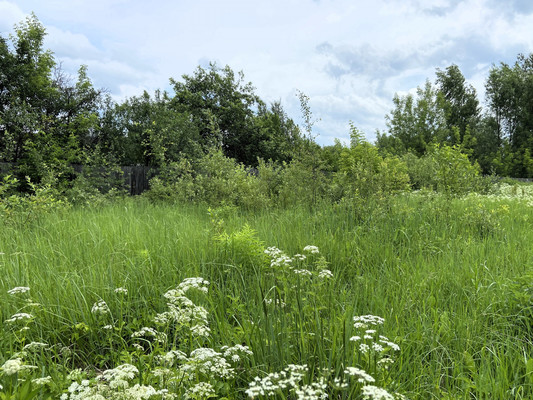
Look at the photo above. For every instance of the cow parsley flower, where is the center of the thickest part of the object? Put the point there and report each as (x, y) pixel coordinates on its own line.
(207, 361)
(234, 353)
(19, 317)
(35, 346)
(362, 375)
(121, 290)
(311, 249)
(100, 308)
(18, 289)
(202, 390)
(364, 321)
(193, 283)
(375, 393)
(147, 332)
(325, 274)
(42, 381)
(303, 272)
(15, 366)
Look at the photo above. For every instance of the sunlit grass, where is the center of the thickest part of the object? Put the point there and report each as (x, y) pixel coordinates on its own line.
(451, 278)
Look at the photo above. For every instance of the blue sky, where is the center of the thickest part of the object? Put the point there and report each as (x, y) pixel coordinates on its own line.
(349, 56)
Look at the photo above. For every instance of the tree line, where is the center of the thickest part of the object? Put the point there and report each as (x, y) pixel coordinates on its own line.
(499, 138)
(50, 121)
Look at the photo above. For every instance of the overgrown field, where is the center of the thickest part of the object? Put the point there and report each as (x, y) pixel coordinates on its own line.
(110, 311)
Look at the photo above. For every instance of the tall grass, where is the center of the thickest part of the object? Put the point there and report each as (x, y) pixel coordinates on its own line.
(451, 278)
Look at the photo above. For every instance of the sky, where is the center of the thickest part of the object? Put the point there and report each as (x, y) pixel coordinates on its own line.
(348, 56)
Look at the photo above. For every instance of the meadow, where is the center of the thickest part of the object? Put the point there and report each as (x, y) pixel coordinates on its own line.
(418, 295)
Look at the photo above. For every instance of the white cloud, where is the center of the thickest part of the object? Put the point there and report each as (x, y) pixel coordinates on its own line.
(372, 49)
(10, 14)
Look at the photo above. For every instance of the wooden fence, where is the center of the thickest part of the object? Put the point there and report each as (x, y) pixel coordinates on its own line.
(135, 179)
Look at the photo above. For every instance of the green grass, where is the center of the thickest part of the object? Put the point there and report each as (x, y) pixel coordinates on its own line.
(451, 277)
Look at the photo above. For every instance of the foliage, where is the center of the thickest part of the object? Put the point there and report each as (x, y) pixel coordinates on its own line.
(223, 107)
(445, 169)
(364, 173)
(414, 123)
(21, 210)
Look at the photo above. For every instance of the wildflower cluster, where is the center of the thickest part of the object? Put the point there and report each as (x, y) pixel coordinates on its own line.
(18, 289)
(114, 384)
(182, 312)
(290, 379)
(100, 308)
(360, 379)
(15, 366)
(296, 264)
(173, 373)
(369, 343)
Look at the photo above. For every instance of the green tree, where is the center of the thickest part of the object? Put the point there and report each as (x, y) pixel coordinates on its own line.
(510, 97)
(364, 173)
(154, 134)
(26, 88)
(460, 104)
(414, 123)
(222, 107)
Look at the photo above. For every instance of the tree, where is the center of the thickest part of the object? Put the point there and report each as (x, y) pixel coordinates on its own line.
(414, 123)
(154, 134)
(510, 100)
(222, 107)
(460, 104)
(25, 88)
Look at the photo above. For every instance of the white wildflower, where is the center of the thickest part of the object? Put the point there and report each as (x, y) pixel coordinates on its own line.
(364, 348)
(193, 283)
(303, 272)
(123, 372)
(100, 308)
(311, 249)
(299, 257)
(385, 362)
(209, 362)
(388, 343)
(200, 330)
(235, 352)
(339, 383)
(314, 391)
(15, 366)
(174, 356)
(19, 317)
(281, 261)
(361, 375)
(35, 346)
(76, 374)
(18, 289)
(147, 332)
(143, 392)
(325, 274)
(202, 390)
(121, 290)
(377, 347)
(42, 381)
(375, 393)
(273, 252)
(355, 338)
(363, 321)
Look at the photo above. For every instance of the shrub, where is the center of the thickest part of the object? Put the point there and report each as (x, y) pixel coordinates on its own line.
(365, 173)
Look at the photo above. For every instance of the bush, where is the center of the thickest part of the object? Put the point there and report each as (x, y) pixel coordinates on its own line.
(364, 173)
(213, 179)
(447, 170)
